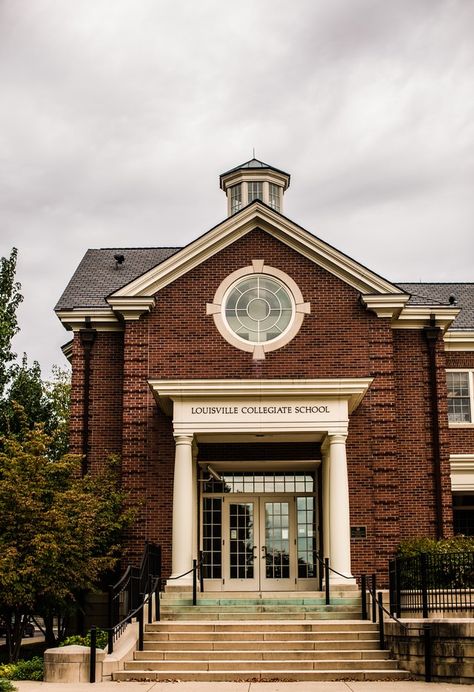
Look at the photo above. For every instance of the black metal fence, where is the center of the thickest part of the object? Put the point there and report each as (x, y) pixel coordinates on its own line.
(127, 594)
(432, 583)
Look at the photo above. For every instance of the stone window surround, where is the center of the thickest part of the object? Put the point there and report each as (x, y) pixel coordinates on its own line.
(465, 424)
(258, 350)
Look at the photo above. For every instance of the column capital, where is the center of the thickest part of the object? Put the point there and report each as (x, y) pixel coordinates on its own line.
(337, 438)
(183, 439)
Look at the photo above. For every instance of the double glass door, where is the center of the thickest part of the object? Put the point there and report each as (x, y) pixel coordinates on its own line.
(259, 543)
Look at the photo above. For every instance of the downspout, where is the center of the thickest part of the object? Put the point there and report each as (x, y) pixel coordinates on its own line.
(432, 334)
(87, 336)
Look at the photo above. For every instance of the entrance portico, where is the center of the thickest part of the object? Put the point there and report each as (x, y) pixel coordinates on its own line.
(263, 411)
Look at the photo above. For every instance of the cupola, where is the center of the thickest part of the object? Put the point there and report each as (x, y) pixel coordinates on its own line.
(254, 180)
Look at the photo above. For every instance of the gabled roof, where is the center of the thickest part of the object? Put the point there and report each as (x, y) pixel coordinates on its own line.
(253, 216)
(98, 284)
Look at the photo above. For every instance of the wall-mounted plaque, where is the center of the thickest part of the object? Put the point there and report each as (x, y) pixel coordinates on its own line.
(358, 532)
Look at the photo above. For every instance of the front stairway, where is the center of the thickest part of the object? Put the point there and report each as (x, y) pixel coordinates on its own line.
(270, 636)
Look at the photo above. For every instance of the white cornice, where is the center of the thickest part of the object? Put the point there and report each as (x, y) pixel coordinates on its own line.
(459, 341)
(385, 305)
(254, 216)
(67, 350)
(419, 316)
(102, 319)
(351, 389)
(462, 472)
(131, 307)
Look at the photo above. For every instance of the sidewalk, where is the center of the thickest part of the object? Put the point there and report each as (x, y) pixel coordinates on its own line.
(404, 686)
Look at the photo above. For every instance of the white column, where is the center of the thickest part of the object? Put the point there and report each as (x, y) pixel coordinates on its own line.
(339, 520)
(182, 549)
(195, 502)
(326, 500)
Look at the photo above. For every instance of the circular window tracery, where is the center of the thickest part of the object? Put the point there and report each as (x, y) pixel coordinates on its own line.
(258, 309)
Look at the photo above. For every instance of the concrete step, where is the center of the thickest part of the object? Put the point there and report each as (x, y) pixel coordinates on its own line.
(261, 676)
(262, 655)
(283, 615)
(260, 607)
(262, 626)
(259, 636)
(351, 599)
(229, 645)
(262, 665)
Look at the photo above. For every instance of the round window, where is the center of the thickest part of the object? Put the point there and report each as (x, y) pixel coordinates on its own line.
(258, 308)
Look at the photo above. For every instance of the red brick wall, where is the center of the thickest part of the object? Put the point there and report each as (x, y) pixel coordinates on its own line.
(389, 444)
(105, 403)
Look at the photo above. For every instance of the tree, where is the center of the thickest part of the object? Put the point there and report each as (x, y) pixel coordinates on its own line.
(30, 401)
(10, 299)
(58, 532)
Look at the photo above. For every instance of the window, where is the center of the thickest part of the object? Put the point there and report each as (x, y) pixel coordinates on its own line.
(274, 200)
(463, 514)
(460, 394)
(235, 198)
(258, 308)
(255, 191)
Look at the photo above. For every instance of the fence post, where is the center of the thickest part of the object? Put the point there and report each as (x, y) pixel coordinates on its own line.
(363, 588)
(326, 580)
(424, 584)
(157, 600)
(374, 597)
(93, 654)
(201, 573)
(194, 582)
(150, 601)
(140, 629)
(428, 651)
(391, 587)
(381, 622)
(398, 591)
(110, 633)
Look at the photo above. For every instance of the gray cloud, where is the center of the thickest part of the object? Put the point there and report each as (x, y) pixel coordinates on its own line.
(117, 118)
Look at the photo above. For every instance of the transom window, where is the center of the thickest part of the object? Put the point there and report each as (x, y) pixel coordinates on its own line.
(235, 198)
(255, 191)
(274, 199)
(258, 482)
(258, 308)
(460, 395)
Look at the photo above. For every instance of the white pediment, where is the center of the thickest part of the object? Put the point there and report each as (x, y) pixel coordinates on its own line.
(258, 215)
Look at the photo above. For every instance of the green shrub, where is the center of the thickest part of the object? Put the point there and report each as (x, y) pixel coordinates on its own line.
(22, 670)
(6, 685)
(415, 546)
(102, 639)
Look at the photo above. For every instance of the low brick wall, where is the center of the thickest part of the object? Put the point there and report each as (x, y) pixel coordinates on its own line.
(452, 648)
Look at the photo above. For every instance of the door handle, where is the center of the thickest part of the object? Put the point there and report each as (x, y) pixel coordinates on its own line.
(264, 551)
(254, 548)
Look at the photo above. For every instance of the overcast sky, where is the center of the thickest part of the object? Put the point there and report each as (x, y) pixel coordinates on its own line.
(117, 117)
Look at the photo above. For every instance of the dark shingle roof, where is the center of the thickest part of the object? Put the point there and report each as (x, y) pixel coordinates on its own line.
(97, 276)
(438, 294)
(254, 163)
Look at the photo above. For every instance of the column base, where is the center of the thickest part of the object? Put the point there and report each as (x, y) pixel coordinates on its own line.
(183, 584)
(336, 580)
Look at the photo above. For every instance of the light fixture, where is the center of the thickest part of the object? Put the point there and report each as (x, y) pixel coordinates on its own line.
(214, 474)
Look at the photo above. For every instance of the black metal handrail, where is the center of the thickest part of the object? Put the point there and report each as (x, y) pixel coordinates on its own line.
(425, 629)
(140, 585)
